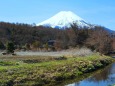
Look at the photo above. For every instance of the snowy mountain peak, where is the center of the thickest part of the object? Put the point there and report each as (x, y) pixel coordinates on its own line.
(64, 19)
(69, 15)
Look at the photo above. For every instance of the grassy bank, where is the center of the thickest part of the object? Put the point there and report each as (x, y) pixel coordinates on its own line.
(47, 72)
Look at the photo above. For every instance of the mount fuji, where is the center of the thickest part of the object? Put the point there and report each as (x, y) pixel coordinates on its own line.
(64, 19)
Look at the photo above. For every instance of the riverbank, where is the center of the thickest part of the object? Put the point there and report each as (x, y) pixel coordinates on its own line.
(41, 73)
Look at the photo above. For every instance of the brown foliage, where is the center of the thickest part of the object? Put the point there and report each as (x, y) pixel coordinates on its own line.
(99, 40)
(24, 34)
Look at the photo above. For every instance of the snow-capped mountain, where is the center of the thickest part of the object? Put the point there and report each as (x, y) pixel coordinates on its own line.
(64, 19)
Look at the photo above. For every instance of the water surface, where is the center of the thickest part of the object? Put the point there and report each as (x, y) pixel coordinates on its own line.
(104, 77)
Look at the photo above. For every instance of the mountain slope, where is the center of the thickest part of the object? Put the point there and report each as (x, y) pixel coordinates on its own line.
(64, 19)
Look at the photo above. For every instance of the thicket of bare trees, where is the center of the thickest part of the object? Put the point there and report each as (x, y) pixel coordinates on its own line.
(32, 37)
(99, 40)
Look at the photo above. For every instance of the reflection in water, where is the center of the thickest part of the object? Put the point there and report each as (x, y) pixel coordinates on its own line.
(103, 77)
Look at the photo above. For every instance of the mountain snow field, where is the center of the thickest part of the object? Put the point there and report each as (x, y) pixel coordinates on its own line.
(64, 19)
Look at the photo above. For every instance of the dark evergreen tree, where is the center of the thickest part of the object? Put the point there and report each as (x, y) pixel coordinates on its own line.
(10, 47)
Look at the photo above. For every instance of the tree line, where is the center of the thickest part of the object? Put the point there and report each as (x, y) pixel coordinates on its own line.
(30, 37)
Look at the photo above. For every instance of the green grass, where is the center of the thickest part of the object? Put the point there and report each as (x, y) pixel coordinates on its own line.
(46, 71)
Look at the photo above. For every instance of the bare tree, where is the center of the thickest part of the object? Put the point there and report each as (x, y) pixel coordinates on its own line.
(99, 40)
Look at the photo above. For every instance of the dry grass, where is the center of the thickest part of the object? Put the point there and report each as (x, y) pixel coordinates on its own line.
(36, 57)
(69, 52)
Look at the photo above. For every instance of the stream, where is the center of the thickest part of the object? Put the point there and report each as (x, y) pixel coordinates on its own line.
(103, 77)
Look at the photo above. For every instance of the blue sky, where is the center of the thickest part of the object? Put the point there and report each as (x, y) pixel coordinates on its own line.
(101, 12)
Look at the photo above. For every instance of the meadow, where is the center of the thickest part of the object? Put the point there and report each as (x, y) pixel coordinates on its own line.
(47, 70)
